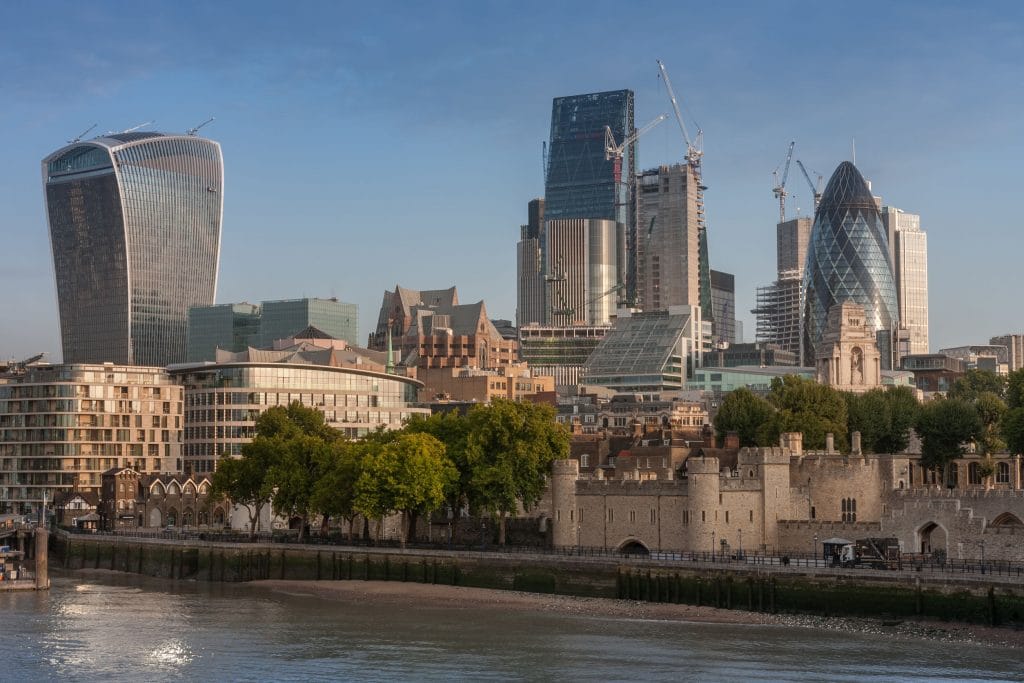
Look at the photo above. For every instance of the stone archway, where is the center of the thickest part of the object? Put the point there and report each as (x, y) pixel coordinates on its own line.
(632, 546)
(931, 537)
(172, 517)
(155, 518)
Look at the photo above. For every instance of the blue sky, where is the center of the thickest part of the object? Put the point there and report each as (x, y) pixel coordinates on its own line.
(366, 147)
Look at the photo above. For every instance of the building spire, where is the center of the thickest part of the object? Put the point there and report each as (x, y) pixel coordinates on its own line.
(389, 367)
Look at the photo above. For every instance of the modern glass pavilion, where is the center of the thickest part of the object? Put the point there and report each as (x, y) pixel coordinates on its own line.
(135, 222)
(848, 260)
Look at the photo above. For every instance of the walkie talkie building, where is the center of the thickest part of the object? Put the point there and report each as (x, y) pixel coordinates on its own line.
(135, 223)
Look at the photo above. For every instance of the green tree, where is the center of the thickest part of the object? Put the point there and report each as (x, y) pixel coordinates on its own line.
(451, 429)
(803, 405)
(1015, 389)
(304, 443)
(743, 412)
(335, 491)
(510, 448)
(946, 426)
(884, 418)
(1012, 429)
(409, 474)
(244, 480)
(975, 382)
(990, 410)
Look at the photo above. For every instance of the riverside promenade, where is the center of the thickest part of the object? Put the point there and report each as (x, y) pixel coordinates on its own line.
(964, 593)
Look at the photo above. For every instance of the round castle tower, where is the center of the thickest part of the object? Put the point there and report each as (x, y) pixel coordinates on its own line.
(564, 474)
(703, 477)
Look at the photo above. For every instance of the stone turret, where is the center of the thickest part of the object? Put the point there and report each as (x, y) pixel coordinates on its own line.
(564, 474)
(704, 487)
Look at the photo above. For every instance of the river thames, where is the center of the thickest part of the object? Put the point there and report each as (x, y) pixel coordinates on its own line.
(111, 627)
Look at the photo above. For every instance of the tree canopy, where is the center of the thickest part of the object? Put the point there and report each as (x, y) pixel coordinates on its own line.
(946, 426)
(743, 412)
(884, 418)
(803, 405)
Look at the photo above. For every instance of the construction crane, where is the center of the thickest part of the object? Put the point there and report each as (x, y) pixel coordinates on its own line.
(613, 152)
(566, 310)
(193, 131)
(82, 134)
(694, 152)
(779, 190)
(815, 189)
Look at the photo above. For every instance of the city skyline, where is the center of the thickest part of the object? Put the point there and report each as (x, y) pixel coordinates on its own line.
(323, 147)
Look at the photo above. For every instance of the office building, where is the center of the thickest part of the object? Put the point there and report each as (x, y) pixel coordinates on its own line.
(848, 260)
(231, 327)
(780, 304)
(349, 385)
(648, 352)
(1014, 344)
(135, 223)
(908, 254)
(283, 319)
(236, 327)
(581, 262)
(530, 289)
(63, 426)
(669, 217)
(559, 351)
(991, 358)
(723, 295)
(580, 182)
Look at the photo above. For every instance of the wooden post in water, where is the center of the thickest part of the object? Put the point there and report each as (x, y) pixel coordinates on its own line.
(42, 558)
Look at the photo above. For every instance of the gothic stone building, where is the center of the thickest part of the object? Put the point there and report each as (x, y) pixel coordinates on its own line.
(132, 500)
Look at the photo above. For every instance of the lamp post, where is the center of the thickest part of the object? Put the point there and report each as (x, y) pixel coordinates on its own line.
(815, 550)
(983, 556)
(712, 546)
(741, 544)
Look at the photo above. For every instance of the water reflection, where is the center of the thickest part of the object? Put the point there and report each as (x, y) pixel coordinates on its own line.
(121, 627)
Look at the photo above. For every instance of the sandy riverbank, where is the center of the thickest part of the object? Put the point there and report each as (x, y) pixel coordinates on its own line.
(413, 595)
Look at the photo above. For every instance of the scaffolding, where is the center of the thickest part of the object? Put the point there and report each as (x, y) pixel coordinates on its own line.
(778, 310)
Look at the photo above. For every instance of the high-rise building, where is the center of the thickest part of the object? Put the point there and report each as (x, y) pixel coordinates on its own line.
(669, 240)
(723, 295)
(848, 260)
(581, 262)
(530, 268)
(908, 254)
(62, 426)
(283, 319)
(580, 182)
(135, 224)
(559, 351)
(231, 327)
(236, 327)
(1014, 344)
(780, 304)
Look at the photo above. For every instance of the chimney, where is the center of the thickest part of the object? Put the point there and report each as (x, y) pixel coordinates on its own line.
(855, 443)
(830, 443)
(732, 440)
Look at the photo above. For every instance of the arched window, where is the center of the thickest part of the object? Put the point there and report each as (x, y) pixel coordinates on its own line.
(1003, 473)
(849, 509)
(173, 489)
(973, 475)
(585, 460)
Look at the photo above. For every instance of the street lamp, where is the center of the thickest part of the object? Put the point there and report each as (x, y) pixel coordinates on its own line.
(983, 556)
(815, 550)
(712, 546)
(741, 544)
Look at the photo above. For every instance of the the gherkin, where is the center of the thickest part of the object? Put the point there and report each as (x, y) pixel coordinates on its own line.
(848, 260)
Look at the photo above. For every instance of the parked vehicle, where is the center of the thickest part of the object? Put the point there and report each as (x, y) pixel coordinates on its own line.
(878, 553)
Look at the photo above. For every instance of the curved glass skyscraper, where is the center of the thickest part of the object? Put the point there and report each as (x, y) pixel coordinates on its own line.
(135, 221)
(848, 260)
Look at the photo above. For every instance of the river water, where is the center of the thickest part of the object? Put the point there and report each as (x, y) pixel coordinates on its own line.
(125, 627)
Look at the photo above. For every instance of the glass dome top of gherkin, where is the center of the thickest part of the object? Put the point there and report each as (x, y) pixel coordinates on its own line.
(848, 260)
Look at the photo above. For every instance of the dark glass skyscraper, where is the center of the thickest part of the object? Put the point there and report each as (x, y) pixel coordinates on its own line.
(135, 221)
(848, 260)
(580, 182)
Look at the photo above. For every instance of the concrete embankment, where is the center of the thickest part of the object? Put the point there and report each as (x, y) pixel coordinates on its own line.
(883, 595)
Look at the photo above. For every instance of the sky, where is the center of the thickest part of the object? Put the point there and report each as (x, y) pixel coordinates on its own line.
(369, 146)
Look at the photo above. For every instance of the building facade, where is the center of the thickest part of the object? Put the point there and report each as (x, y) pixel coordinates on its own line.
(1014, 344)
(908, 253)
(62, 426)
(847, 358)
(530, 286)
(582, 270)
(232, 327)
(283, 319)
(723, 295)
(135, 226)
(653, 351)
(559, 351)
(848, 259)
(669, 218)
(349, 386)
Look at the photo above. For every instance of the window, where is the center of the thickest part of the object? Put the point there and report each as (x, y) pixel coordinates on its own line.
(1003, 473)
(611, 515)
(973, 474)
(654, 516)
(585, 460)
(726, 516)
(849, 509)
(632, 516)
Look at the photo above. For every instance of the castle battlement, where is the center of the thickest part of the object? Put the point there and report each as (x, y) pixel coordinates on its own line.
(631, 487)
